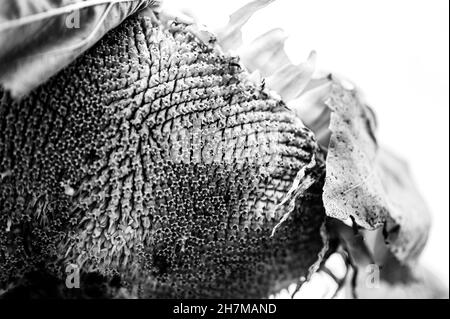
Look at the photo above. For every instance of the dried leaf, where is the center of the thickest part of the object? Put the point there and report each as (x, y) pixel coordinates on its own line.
(363, 182)
(352, 187)
(408, 223)
(39, 38)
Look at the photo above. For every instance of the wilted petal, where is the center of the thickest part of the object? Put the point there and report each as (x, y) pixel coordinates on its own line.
(311, 108)
(266, 53)
(230, 37)
(291, 80)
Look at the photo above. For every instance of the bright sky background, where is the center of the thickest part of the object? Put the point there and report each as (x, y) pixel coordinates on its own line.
(397, 52)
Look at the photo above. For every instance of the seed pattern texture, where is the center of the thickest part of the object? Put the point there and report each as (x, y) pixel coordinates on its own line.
(152, 157)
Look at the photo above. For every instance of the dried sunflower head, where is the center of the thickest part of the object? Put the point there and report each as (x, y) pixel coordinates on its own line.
(154, 157)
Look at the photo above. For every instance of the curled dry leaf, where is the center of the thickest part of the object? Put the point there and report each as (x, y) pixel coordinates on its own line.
(408, 223)
(39, 38)
(368, 184)
(352, 189)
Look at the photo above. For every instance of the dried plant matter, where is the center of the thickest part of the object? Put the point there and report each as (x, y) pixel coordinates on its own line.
(163, 166)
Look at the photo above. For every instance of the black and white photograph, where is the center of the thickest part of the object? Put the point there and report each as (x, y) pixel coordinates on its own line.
(246, 150)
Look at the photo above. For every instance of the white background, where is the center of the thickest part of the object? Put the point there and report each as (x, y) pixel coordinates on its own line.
(397, 52)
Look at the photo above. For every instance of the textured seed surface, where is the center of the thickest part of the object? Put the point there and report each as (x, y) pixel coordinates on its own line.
(152, 158)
